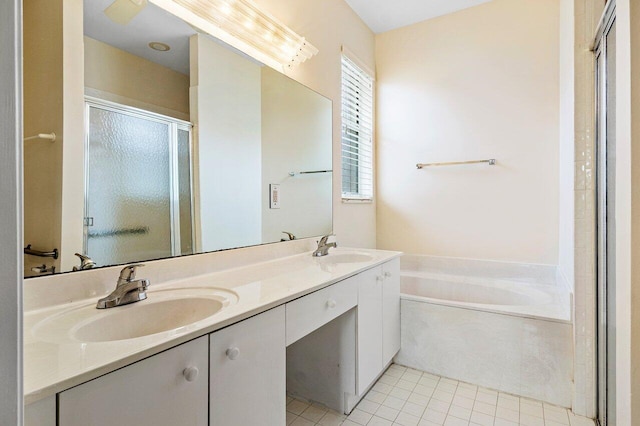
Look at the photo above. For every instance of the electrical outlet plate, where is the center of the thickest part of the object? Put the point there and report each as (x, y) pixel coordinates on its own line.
(274, 196)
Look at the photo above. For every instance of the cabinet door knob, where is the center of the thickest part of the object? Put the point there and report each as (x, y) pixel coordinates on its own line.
(331, 304)
(233, 353)
(191, 373)
(388, 274)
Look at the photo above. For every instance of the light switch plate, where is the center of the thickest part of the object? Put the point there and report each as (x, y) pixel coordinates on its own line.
(274, 196)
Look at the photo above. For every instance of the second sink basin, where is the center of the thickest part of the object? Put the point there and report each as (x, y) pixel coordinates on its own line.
(163, 311)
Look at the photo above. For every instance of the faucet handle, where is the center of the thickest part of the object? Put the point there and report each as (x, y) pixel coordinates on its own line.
(290, 235)
(323, 239)
(128, 273)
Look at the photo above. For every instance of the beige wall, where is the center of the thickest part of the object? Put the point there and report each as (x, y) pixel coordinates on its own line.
(146, 85)
(329, 24)
(477, 84)
(53, 102)
(43, 111)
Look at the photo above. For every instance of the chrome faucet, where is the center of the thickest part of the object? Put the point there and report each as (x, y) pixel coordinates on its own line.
(323, 246)
(85, 263)
(128, 290)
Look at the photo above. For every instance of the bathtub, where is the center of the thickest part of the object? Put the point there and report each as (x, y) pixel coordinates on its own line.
(504, 326)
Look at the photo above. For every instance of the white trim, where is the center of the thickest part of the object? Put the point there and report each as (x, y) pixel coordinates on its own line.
(11, 258)
(357, 201)
(624, 219)
(359, 62)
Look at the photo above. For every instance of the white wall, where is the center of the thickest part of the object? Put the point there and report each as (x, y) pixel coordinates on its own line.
(566, 235)
(296, 136)
(225, 110)
(329, 24)
(477, 84)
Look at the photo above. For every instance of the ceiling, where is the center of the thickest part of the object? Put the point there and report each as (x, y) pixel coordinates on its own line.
(152, 24)
(385, 15)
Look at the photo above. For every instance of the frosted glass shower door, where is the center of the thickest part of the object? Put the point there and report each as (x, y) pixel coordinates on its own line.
(128, 187)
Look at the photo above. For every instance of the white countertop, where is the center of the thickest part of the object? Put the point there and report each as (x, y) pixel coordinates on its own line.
(53, 367)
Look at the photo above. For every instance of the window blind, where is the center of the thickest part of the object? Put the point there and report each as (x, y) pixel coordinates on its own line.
(357, 132)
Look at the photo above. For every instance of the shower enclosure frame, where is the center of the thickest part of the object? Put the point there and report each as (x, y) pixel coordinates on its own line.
(174, 126)
(604, 57)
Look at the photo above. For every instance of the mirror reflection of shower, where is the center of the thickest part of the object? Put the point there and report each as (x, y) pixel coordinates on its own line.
(138, 198)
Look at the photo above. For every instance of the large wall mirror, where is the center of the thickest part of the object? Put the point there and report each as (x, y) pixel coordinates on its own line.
(167, 142)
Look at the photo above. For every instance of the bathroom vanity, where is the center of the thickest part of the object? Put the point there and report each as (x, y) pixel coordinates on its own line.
(259, 345)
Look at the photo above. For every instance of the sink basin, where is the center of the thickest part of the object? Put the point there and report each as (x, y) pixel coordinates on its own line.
(163, 311)
(347, 258)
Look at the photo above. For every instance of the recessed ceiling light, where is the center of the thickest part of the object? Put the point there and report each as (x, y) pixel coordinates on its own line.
(160, 47)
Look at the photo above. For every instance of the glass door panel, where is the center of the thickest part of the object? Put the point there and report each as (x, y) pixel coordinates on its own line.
(128, 195)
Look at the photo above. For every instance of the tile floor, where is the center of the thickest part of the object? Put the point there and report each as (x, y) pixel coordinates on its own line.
(408, 397)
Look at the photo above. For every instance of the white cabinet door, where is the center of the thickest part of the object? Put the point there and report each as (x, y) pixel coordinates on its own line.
(390, 310)
(369, 327)
(166, 389)
(248, 372)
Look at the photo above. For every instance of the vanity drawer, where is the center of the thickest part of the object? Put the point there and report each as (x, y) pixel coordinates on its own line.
(311, 312)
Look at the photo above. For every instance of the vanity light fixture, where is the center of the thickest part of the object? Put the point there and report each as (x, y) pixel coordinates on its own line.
(123, 11)
(241, 24)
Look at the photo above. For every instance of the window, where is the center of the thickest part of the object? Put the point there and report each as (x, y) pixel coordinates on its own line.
(357, 132)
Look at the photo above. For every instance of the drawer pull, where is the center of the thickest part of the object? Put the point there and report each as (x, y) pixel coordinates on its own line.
(191, 373)
(331, 304)
(233, 353)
